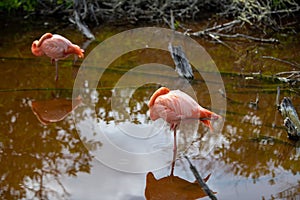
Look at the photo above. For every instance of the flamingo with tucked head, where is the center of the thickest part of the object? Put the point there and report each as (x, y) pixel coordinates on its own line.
(56, 47)
(175, 106)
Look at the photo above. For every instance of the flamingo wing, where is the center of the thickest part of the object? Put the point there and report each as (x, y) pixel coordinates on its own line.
(161, 110)
(56, 47)
(184, 105)
(173, 107)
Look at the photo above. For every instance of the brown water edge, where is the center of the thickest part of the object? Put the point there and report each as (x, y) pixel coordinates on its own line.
(253, 160)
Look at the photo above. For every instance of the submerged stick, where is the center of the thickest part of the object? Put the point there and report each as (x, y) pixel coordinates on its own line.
(291, 119)
(277, 104)
(277, 97)
(182, 65)
(254, 104)
(200, 181)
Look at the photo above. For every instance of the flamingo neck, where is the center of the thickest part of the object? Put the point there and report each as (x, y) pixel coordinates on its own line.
(43, 38)
(159, 92)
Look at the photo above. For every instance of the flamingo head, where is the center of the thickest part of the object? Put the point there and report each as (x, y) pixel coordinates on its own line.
(35, 49)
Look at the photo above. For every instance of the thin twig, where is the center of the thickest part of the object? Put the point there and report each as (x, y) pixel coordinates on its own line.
(221, 42)
(239, 35)
(218, 27)
(288, 72)
(294, 64)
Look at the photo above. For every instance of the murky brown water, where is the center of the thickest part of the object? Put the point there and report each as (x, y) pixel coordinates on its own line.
(251, 158)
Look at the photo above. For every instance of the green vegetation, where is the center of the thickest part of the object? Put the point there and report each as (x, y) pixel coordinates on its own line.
(28, 6)
(231, 16)
(14, 5)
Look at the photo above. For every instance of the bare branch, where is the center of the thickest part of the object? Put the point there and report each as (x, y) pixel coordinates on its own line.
(294, 64)
(201, 181)
(239, 35)
(218, 27)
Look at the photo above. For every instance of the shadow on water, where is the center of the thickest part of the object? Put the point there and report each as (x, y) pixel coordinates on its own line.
(253, 158)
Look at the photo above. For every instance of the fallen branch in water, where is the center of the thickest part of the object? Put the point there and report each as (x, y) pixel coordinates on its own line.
(290, 116)
(200, 180)
(265, 139)
(213, 36)
(291, 77)
(77, 19)
(239, 35)
(219, 27)
(217, 35)
(294, 64)
(182, 65)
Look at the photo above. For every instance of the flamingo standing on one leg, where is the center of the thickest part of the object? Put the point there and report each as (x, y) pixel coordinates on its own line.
(56, 47)
(174, 106)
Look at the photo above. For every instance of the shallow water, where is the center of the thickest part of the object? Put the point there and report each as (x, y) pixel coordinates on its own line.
(105, 149)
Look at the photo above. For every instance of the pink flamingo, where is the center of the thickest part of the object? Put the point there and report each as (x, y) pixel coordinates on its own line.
(174, 106)
(56, 47)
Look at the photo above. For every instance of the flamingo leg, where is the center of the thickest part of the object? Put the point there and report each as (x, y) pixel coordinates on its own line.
(56, 70)
(174, 153)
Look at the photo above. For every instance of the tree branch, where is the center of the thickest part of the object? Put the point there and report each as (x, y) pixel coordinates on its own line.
(294, 64)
